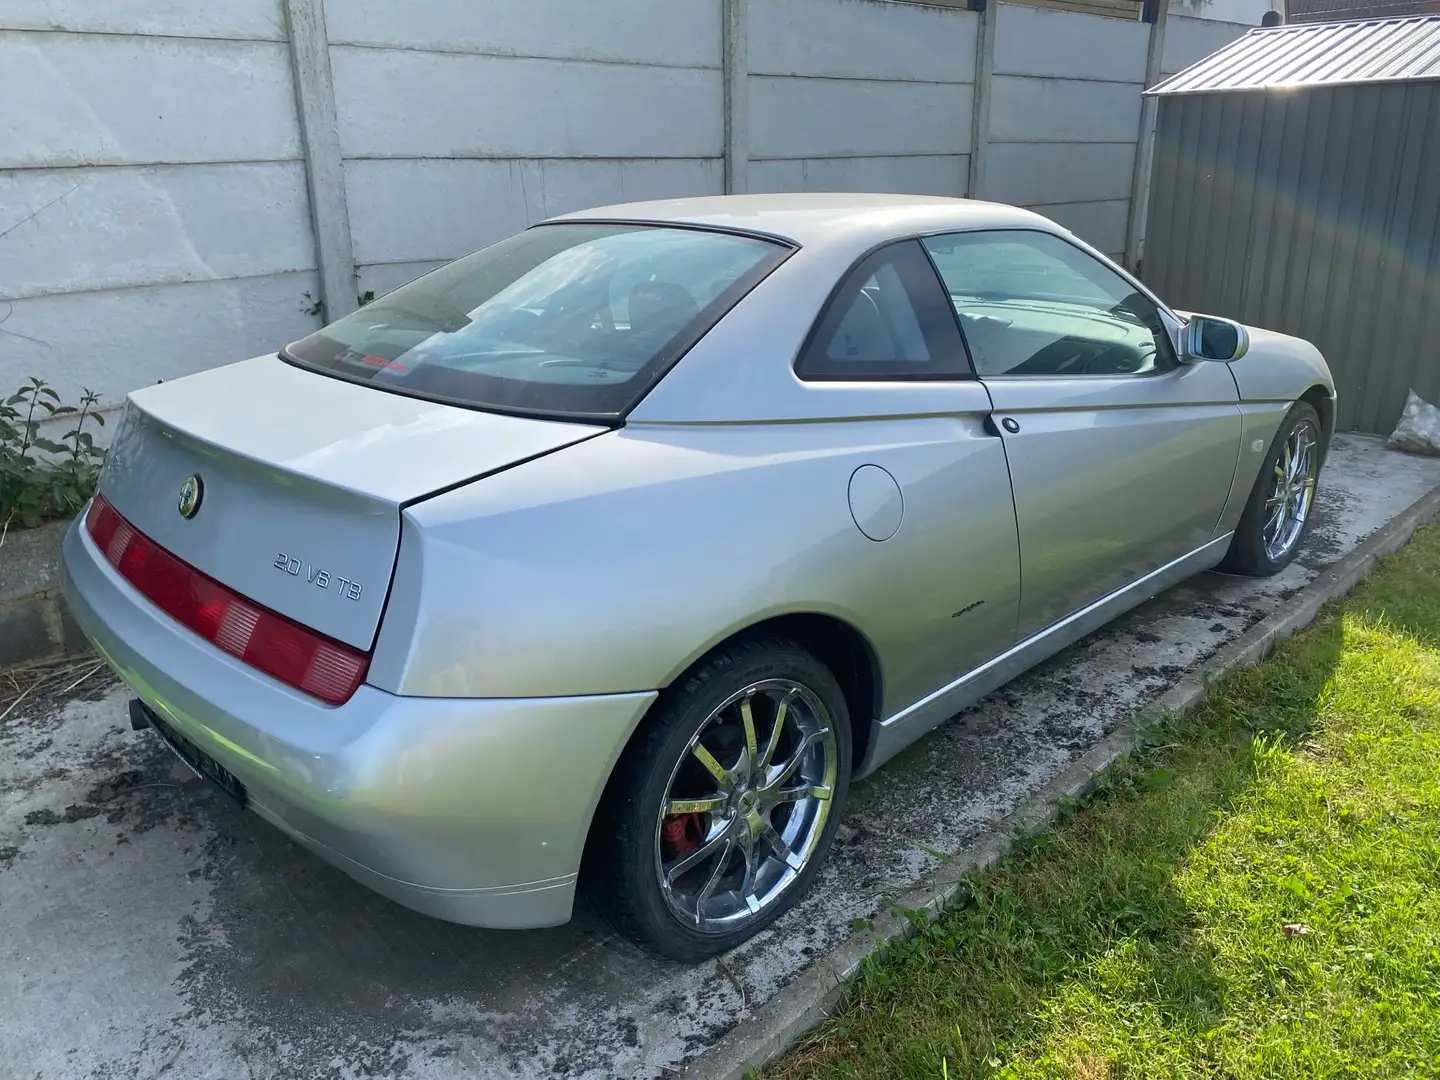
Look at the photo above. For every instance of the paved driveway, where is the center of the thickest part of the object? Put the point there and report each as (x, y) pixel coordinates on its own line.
(147, 929)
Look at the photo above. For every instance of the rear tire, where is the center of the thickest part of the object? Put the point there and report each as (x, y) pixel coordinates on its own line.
(752, 809)
(1285, 488)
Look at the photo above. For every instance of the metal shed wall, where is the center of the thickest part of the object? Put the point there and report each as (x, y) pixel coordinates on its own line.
(1314, 212)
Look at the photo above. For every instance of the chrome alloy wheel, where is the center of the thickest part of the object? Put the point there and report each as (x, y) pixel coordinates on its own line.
(1292, 492)
(746, 805)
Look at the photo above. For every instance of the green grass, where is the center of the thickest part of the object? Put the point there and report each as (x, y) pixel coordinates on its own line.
(1255, 894)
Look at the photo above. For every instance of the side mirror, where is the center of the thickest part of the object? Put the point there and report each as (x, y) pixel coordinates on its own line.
(1208, 337)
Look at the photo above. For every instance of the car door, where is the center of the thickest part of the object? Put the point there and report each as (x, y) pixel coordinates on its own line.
(944, 589)
(1121, 457)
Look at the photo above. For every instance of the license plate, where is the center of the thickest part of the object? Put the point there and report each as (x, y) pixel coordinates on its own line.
(200, 763)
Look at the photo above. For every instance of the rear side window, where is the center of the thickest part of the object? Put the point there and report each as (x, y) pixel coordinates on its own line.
(574, 321)
(888, 319)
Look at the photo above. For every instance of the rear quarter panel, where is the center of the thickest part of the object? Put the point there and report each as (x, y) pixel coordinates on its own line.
(612, 565)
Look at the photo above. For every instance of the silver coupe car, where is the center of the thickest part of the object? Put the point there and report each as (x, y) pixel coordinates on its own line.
(611, 554)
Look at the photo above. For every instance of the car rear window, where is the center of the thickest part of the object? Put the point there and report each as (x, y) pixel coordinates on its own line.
(574, 320)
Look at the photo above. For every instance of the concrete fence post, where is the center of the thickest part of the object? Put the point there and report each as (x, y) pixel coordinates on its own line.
(1145, 144)
(320, 142)
(980, 110)
(736, 65)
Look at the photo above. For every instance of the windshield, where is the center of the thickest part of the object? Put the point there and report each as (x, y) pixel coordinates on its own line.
(571, 320)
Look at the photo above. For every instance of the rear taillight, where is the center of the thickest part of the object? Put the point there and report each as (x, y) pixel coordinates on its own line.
(272, 643)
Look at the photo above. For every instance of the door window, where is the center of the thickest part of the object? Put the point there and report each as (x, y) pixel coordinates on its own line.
(888, 319)
(1032, 304)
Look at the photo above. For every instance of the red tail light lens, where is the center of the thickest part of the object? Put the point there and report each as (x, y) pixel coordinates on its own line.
(272, 643)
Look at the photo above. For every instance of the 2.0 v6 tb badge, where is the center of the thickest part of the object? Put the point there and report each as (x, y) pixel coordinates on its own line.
(321, 579)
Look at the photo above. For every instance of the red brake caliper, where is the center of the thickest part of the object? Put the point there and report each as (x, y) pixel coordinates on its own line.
(682, 833)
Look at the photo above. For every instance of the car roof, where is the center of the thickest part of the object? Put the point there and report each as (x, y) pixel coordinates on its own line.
(813, 217)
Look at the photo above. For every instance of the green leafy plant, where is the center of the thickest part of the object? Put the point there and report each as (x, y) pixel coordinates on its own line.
(41, 478)
(316, 307)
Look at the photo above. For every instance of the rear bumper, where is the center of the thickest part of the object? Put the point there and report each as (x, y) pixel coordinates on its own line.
(471, 810)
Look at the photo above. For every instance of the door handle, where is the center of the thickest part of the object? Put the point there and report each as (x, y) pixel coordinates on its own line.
(1010, 424)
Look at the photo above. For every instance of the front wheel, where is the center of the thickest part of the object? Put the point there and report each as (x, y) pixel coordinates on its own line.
(1275, 519)
(724, 805)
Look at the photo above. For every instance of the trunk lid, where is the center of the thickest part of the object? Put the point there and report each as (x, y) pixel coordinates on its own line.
(301, 480)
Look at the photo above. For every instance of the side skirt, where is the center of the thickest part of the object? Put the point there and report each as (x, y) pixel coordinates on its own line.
(888, 737)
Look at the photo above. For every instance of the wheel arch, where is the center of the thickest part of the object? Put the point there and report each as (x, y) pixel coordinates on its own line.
(1318, 398)
(850, 657)
(838, 644)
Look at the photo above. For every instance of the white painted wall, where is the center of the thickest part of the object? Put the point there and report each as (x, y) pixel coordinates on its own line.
(860, 95)
(1242, 12)
(460, 126)
(1065, 117)
(243, 19)
(155, 217)
(1189, 40)
(153, 213)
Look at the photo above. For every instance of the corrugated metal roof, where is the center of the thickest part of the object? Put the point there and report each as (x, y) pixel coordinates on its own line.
(1317, 54)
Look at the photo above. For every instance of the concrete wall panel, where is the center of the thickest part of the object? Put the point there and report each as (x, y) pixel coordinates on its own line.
(115, 100)
(930, 175)
(1061, 110)
(671, 178)
(153, 180)
(426, 210)
(1099, 223)
(1245, 12)
(414, 211)
(782, 174)
(1068, 44)
(1035, 174)
(398, 103)
(569, 185)
(263, 19)
(839, 118)
(1188, 41)
(77, 229)
(683, 33)
(115, 341)
(382, 278)
(862, 39)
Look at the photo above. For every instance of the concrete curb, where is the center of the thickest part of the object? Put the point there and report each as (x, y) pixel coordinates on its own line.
(34, 623)
(809, 999)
